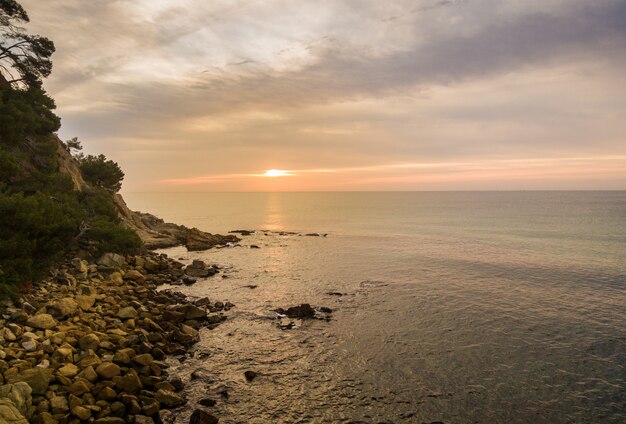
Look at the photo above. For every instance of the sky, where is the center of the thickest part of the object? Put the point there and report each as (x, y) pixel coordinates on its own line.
(192, 95)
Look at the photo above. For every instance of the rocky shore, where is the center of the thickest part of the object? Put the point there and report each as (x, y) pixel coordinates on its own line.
(89, 343)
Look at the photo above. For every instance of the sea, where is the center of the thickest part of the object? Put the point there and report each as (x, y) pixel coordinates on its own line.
(447, 307)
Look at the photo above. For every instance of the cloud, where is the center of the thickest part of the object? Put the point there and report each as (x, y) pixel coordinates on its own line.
(335, 83)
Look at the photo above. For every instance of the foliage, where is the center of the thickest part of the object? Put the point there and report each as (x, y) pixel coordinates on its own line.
(34, 232)
(73, 144)
(112, 237)
(24, 58)
(42, 216)
(25, 113)
(101, 172)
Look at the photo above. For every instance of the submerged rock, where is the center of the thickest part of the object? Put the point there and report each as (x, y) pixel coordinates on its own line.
(250, 375)
(201, 416)
(303, 311)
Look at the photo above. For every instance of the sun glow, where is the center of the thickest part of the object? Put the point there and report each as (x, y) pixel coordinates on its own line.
(276, 173)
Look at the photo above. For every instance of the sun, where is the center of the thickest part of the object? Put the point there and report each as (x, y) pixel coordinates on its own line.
(276, 173)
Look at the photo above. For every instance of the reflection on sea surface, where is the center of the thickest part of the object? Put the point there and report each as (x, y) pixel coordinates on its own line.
(454, 307)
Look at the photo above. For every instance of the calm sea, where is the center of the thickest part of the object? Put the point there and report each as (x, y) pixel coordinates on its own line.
(457, 307)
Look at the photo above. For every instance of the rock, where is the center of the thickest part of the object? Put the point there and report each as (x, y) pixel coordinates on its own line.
(107, 394)
(199, 240)
(189, 330)
(188, 281)
(303, 311)
(116, 278)
(110, 420)
(127, 313)
(177, 383)
(325, 309)
(41, 321)
(121, 357)
(9, 414)
(59, 405)
(62, 308)
(37, 378)
(81, 413)
(142, 419)
(89, 359)
(207, 402)
(192, 312)
(85, 302)
(20, 395)
(130, 383)
(89, 374)
(8, 335)
(80, 266)
(44, 418)
(150, 265)
(89, 341)
(242, 232)
(144, 359)
(68, 370)
(169, 399)
(108, 370)
(79, 387)
(29, 345)
(111, 260)
(200, 416)
(134, 275)
(250, 375)
(200, 272)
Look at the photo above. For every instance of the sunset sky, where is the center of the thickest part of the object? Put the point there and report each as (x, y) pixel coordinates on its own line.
(196, 95)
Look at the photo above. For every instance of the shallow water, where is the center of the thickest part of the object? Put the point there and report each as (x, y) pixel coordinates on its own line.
(457, 307)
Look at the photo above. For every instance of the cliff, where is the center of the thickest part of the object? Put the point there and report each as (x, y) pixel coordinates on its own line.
(156, 233)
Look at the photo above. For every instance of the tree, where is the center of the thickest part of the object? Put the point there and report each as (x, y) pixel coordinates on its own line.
(101, 172)
(73, 144)
(24, 58)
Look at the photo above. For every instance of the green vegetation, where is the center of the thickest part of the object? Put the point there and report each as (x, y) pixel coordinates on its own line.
(100, 172)
(43, 216)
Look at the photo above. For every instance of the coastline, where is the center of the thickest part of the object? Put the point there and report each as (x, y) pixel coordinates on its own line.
(88, 344)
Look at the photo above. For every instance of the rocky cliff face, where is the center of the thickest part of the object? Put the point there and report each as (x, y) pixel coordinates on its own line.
(156, 233)
(153, 231)
(69, 166)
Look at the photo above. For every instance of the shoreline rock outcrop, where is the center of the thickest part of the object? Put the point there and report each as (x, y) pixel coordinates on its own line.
(156, 233)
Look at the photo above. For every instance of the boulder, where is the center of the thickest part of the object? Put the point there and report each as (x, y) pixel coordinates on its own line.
(129, 383)
(169, 399)
(85, 302)
(9, 413)
(41, 321)
(111, 260)
(303, 311)
(127, 313)
(81, 413)
(116, 278)
(68, 370)
(59, 405)
(200, 416)
(62, 308)
(133, 275)
(89, 341)
(37, 378)
(108, 370)
(199, 240)
(20, 395)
